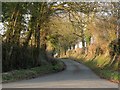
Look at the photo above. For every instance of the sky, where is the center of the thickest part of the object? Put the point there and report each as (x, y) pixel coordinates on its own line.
(1, 28)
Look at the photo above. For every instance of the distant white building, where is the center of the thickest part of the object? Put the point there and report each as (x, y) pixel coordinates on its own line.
(79, 45)
(92, 40)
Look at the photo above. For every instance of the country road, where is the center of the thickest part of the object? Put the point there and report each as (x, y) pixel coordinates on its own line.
(76, 75)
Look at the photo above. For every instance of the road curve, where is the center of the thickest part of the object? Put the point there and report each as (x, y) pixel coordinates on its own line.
(76, 75)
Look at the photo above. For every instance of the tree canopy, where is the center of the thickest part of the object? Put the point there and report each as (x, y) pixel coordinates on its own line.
(30, 28)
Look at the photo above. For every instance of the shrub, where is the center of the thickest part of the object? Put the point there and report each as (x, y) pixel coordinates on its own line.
(19, 57)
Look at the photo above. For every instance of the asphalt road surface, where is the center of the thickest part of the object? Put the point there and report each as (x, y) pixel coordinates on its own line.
(76, 75)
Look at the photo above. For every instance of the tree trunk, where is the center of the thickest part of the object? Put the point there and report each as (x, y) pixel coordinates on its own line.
(28, 38)
(83, 41)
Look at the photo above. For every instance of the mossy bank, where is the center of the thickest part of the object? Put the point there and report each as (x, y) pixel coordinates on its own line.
(32, 72)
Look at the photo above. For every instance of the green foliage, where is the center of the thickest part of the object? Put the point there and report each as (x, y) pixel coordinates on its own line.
(61, 35)
(21, 57)
(115, 46)
(88, 39)
(22, 23)
(30, 27)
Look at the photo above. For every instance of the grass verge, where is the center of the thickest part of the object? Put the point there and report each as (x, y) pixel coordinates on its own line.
(32, 72)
